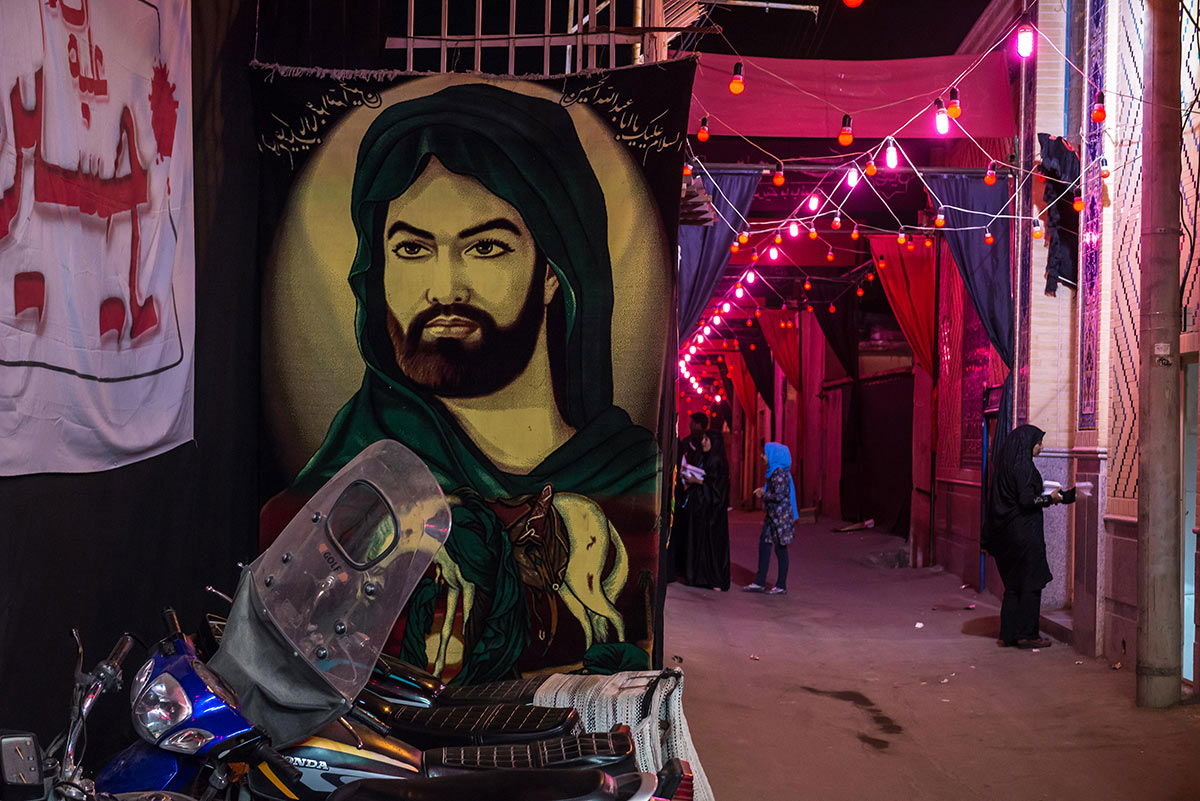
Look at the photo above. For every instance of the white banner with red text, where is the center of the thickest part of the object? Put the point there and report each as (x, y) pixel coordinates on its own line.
(96, 234)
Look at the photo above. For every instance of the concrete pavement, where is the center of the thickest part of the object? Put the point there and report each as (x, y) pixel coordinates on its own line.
(850, 699)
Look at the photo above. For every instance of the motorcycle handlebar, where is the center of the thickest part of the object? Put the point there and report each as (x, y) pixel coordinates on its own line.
(288, 773)
(171, 620)
(120, 651)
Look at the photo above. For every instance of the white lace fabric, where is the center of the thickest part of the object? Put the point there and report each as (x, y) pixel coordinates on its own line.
(649, 702)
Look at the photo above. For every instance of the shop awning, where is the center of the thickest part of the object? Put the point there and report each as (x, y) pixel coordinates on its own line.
(786, 97)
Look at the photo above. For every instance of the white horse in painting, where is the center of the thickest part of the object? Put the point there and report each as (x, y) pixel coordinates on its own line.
(586, 592)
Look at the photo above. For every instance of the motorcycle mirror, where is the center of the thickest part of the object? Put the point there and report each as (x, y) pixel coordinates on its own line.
(22, 776)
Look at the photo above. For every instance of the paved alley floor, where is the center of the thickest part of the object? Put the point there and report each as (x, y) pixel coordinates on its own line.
(834, 692)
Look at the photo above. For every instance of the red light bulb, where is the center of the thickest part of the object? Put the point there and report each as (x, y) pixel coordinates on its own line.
(733, 248)
(1098, 112)
(988, 238)
(837, 222)
(870, 169)
(809, 308)
(940, 220)
(854, 234)
(812, 232)
(1037, 229)
(870, 276)
(737, 83)
(1077, 203)
(829, 256)
(807, 285)
(860, 292)
(1105, 172)
(778, 178)
(954, 108)
(743, 237)
(687, 169)
(845, 136)
(702, 134)
(989, 177)
(778, 238)
(832, 309)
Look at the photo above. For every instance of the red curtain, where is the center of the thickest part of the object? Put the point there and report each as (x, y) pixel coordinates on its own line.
(908, 282)
(743, 383)
(783, 335)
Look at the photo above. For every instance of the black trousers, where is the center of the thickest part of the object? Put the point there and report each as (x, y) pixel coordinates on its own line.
(1019, 615)
(764, 562)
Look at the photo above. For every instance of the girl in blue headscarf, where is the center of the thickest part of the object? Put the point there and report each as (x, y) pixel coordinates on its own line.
(779, 498)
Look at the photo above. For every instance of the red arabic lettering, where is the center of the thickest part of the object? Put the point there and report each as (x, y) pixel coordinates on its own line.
(82, 188)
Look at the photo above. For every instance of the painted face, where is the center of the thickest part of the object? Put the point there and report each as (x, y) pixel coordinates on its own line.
(466, 285)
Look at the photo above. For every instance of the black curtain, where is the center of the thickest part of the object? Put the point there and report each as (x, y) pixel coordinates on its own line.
(760, 364)
(1060, 167)
(103, 552)
(985, 270)
(883, 478)
(704, 249)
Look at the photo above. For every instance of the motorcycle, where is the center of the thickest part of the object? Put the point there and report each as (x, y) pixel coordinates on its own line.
(305, 632)
(29, 773)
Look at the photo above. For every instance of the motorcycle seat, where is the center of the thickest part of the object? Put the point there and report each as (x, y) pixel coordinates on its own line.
(480, 725)
(602, 750)
(506, 785)
(515, 691)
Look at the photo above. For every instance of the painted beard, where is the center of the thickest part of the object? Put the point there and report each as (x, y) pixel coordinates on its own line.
(452, 368)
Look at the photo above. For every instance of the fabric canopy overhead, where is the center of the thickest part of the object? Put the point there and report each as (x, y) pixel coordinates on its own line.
(775, 102)
(908, 282)
(784, 342)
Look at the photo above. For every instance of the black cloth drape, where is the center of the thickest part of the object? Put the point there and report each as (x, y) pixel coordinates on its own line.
(704, 250)
(984, 268)
(761, 366)
(841, 332)
(1060, 166)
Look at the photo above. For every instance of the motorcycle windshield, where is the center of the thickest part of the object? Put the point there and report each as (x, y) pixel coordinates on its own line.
(338, 576)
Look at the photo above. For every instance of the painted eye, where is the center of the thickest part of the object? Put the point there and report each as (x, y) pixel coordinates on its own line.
(489, 249)
(410, 249)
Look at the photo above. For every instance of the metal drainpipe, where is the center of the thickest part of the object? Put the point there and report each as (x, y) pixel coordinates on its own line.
(1160, 601)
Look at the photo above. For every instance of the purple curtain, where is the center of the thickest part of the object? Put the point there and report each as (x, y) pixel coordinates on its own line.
(704, 250)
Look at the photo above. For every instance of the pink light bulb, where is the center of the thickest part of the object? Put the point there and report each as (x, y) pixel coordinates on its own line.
(751, 276)
(794, 229)
(726, 306)
(772, 253)
(890, 157)
(739, 293)
(687, 357)
(852, 177)
(717, 398)
(716, 319)
(700, 338)
(692, 349)
(1025, 40)
(941, 120)
(707, 330)
(814, 202)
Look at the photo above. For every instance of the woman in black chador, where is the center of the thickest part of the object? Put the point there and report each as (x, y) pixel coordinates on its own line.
(1013, 535)
(705, 517)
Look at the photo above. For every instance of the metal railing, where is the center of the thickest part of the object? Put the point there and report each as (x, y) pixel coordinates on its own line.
(566, 36)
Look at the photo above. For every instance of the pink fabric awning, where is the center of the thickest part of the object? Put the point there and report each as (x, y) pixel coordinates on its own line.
(774, 104)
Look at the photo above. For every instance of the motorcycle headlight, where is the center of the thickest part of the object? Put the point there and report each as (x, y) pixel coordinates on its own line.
(160, 707)
(139, 680)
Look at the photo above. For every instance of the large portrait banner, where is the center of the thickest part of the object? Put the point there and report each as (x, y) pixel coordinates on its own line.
(96, 237)
(483, 269)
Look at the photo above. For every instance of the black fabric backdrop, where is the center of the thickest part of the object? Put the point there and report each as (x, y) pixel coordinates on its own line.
(102, 552)
(704, 249)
